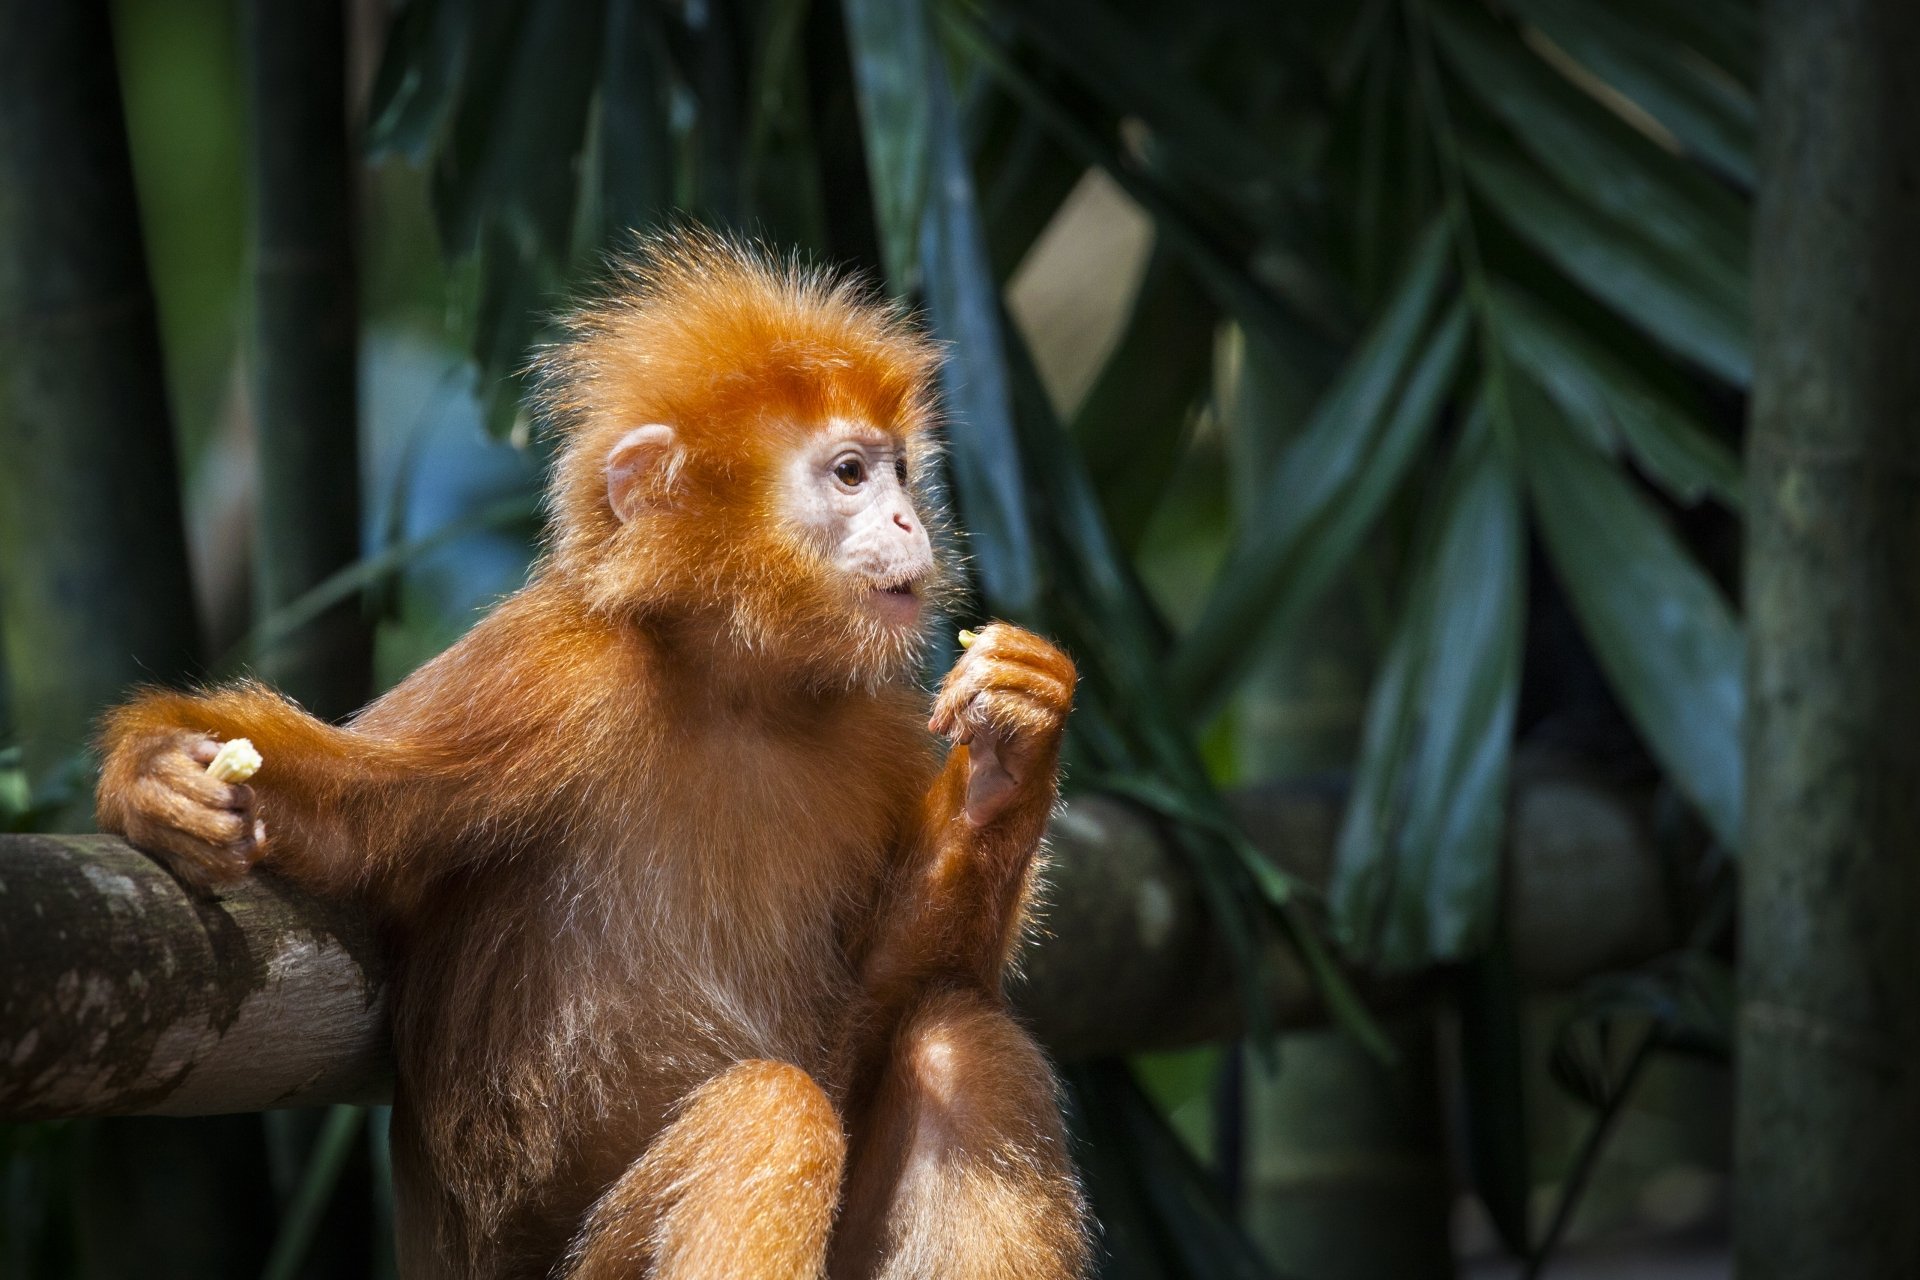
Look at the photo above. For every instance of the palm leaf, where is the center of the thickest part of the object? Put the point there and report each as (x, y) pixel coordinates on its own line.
(1613, 405)
(1117, 65)
(1416, 871)
(1722, 35)
(633, 153)
(1162, 1215)
(1683, 303)
(1612, 167)
(1133, 422)
(893, 65)
(1668, 640)
(1337, 476)
(1493, 1082)
(1215, 248)
(963, 298)
(1708, 112)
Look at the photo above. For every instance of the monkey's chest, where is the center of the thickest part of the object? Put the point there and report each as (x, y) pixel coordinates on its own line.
(731, 946)
(631, 983)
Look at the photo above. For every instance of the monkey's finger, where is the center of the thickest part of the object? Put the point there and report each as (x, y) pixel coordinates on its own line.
(945, 723)
(192, 860)
(962, 687)
(207, 845)
(1012, 646)
(203, 750)
(1046, 686)
(1006, 725)
(1017, 721)
(1049, 662)
(199, 863)
(182, 773)
(1005, 638)
(966, 685)
(213, 824)
(1004, 647)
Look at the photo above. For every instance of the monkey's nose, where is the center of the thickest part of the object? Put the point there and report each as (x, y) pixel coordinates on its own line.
(905, 524)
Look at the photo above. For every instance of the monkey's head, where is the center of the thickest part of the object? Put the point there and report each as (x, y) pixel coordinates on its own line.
(744, 441)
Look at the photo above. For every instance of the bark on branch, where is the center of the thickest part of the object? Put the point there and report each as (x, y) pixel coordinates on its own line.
(120, 992)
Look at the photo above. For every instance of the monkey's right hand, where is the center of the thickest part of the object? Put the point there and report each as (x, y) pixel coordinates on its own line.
(155, 791)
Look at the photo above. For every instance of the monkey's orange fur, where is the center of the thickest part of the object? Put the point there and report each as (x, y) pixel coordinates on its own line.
(699, 955)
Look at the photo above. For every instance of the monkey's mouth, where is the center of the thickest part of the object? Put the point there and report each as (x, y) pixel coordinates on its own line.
(899, 601)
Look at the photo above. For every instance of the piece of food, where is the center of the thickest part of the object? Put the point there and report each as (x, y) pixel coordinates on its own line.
(967, 638)
(236, 762)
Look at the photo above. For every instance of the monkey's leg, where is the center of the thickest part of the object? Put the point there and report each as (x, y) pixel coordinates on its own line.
(743, 1183)
(960, 1168)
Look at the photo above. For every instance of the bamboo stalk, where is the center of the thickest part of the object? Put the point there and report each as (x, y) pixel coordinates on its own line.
(305, 343)
(1829, 1043)
(94, 586)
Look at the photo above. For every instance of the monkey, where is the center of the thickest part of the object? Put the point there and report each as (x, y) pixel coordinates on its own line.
(701, 912)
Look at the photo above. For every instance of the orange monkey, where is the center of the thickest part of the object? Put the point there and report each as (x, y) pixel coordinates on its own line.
(699, 942)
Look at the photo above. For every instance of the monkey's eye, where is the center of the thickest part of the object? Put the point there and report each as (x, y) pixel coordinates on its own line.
(850, 471)
(900, 470)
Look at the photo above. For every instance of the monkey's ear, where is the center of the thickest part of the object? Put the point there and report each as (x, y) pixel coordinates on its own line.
(641, 468)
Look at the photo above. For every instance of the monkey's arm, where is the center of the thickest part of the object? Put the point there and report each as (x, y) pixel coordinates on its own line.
(958, 901)
(456, 761)
(316, 806)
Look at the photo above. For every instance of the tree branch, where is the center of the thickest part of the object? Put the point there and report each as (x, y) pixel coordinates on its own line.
(120, 992)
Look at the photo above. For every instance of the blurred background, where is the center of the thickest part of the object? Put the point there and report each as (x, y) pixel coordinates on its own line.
(1355, 387)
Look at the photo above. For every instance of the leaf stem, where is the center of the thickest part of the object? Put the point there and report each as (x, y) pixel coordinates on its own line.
(1588, 1157)
(1446, 144)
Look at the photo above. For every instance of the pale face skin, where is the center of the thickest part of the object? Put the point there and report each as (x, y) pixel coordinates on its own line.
(848, 487)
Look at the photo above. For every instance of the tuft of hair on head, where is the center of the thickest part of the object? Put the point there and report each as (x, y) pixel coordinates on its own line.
(738, 349)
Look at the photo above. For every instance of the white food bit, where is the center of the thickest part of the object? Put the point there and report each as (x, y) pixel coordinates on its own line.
(236, 762)
(967, 638)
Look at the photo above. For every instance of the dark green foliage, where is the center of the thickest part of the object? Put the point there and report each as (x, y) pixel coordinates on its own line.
(1493, 256)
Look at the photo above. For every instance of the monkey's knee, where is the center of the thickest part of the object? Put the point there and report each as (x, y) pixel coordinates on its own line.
(743, 1182)
(968, 1175)
(976, 1076)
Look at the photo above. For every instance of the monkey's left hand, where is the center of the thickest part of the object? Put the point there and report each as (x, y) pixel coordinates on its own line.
(1006, 700)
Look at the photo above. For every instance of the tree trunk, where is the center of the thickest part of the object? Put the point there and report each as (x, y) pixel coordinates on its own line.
(1829, 1055)
(305, 344)
(94, 587)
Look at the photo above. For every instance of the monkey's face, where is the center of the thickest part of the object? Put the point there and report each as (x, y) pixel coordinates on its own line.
(801, 550)
(847, 490)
